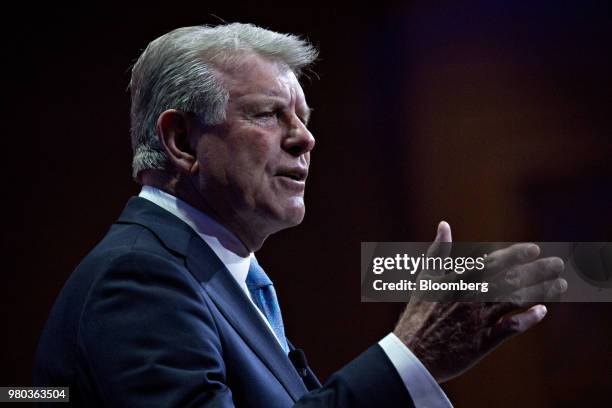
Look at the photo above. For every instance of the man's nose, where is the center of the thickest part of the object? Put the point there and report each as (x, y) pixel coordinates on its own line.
(299, 140)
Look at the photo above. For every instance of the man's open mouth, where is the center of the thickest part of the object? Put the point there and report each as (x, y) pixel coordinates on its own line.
(297, 174)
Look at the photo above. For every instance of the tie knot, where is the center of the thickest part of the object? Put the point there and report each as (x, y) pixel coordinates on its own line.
(257, 278)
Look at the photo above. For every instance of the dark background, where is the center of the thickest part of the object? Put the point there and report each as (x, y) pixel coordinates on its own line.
(494, 117)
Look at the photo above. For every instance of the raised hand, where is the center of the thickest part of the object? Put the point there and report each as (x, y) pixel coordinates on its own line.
(450, 337)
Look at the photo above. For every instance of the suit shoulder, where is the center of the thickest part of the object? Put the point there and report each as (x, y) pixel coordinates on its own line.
(130, 250)
(124, 241)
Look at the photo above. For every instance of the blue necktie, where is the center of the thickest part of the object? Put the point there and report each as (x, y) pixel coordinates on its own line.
(264, 296)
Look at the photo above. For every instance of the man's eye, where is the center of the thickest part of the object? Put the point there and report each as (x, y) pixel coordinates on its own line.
(267, 117)
(270, 113)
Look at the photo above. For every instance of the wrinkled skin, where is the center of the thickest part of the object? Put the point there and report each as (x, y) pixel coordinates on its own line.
(450, 337)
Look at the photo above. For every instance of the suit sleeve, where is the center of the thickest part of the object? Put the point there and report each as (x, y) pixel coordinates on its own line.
(147, 340)
(370, 380)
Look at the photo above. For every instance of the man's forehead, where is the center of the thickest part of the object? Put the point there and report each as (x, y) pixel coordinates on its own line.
(256, 75)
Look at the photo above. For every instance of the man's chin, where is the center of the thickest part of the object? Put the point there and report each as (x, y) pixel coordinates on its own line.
(295, 217)
(291, 216)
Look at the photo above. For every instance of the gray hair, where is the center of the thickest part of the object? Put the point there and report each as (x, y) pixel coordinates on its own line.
(180, 70)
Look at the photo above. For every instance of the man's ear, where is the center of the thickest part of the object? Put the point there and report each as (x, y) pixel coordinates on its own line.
(174, 128)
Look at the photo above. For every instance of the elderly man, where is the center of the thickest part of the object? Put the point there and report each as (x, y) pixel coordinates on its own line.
(172, 309)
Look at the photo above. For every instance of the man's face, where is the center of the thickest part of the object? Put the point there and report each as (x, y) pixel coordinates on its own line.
(253, 167)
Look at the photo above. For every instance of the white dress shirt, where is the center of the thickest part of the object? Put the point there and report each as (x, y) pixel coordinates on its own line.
(423, 389)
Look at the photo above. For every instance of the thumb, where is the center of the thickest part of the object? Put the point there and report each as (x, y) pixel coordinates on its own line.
(442, 244)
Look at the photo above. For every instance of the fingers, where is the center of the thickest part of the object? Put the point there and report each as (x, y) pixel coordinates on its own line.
(521, 322)
(545, 291)
(497, 310)
(518, 323)
(516, 254)
(534, 272)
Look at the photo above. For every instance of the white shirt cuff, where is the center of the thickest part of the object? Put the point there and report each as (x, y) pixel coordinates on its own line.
(424, 390)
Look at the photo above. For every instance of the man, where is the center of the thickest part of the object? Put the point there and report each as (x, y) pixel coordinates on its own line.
(172, 308)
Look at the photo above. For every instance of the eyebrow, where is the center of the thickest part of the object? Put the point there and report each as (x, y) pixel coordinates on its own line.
(273, 96)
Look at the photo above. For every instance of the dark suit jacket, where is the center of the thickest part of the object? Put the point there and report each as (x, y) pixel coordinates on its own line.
(151, 317)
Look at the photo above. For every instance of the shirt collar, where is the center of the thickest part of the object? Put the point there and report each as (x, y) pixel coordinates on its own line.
(219, 238)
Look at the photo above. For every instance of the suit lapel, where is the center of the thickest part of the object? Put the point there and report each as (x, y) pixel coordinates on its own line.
(235, 306)
(223, 289)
